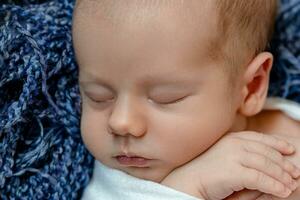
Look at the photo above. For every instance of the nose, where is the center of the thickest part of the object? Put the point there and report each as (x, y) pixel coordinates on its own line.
(127, 118)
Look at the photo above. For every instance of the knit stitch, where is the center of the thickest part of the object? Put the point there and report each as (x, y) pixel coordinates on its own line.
(41, 152)
(285, 75)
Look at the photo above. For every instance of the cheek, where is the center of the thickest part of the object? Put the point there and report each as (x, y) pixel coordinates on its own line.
(186, 140)
(93, 133)
(193, 131)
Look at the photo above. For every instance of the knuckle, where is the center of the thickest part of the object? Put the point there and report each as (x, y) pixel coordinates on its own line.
(288, 179)
(246, 158)
(277, 187)
(288, 165)
(278, 156)
(293, 167)
(274, 155)
(262, 137)
(268, 151)
(267, 163)
(282, 174)
(258, 178)
(246, 146)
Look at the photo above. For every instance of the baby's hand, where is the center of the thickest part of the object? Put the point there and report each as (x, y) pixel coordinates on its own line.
(294, 158)
(242, 160)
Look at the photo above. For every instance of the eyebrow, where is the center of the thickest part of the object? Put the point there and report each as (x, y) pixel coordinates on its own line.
(146, 80)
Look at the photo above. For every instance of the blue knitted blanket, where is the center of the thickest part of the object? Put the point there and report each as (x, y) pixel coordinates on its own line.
(41, 152)
(285, 75)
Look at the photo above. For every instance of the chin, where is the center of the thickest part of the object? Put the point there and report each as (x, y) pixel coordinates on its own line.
(145, 173)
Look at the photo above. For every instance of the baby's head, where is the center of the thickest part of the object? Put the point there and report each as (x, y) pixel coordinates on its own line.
(165, 79)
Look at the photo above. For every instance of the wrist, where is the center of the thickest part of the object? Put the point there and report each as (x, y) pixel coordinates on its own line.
(178, 183)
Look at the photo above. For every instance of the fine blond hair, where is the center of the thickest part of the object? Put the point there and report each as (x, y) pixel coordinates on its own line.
(245, 27)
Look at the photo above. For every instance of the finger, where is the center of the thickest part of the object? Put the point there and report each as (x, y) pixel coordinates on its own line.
(279, 144)
(275, 156)
(256, 180)
(268, 167)
(245, 195)
(267, 197)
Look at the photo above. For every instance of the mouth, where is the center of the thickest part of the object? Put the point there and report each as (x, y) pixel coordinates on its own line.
(130, 160)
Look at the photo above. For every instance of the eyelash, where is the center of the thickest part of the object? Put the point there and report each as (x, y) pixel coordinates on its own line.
(170, 102)
(157, 102)
(97, 101)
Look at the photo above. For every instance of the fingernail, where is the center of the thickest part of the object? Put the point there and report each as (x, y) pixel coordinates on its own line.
(291, 148)
(295, 185)
(297, 173)
(286, 192)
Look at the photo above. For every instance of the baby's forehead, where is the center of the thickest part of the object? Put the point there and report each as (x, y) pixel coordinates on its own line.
(118, 11)
(192, 18)
(182, 19)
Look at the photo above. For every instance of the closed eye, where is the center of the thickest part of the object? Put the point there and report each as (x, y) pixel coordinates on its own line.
(169, 101)
(99, 99)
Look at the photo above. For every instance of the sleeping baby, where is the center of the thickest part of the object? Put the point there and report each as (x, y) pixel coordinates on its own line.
(174, 100)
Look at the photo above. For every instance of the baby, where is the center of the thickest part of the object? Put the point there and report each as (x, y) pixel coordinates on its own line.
(163, 81)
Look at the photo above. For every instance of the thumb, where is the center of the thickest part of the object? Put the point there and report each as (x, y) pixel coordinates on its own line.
(245, 195)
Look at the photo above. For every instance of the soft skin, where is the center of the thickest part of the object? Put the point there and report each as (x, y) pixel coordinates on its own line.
(151, 85)
(238, 156)
(277, 124)
(159, 95)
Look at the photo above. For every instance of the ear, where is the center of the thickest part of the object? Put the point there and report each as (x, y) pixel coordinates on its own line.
(256, 84)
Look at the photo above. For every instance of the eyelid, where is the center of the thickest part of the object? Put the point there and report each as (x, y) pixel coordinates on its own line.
(169, 101)
(100, 101)
(91, 86)
(107, 98)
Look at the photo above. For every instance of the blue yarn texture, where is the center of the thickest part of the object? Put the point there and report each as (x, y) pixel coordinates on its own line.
(41, 152)
(42, 155)
(285, 75)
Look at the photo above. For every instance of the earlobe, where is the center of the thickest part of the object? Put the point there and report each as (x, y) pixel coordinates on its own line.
(256, 83)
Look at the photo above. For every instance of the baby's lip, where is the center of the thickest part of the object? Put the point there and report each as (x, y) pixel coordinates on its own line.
(131, 155)
(132, 161)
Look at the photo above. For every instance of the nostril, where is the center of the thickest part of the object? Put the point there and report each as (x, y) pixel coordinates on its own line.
(120, 124)
(126, 120)
(117, 129)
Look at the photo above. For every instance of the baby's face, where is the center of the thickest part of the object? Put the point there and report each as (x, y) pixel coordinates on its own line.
(149, 87)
